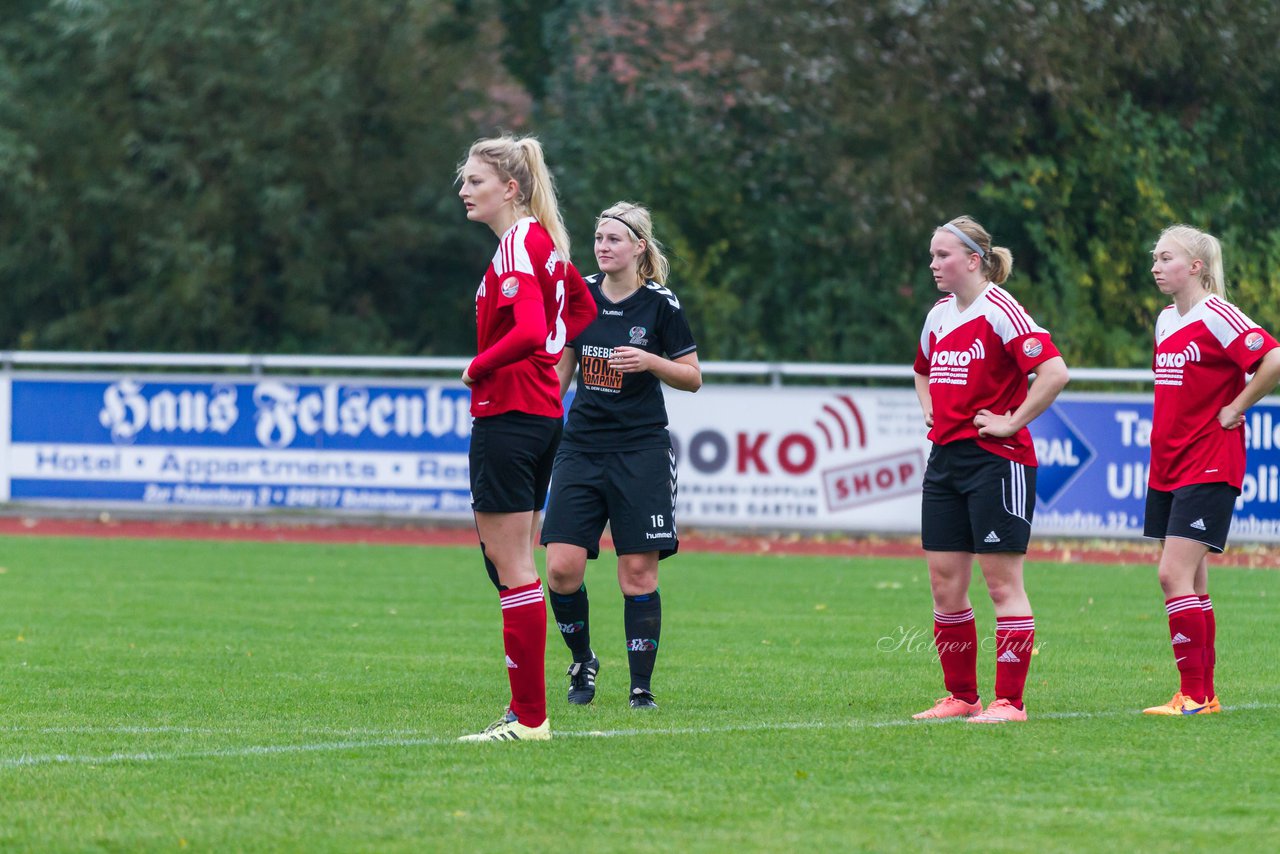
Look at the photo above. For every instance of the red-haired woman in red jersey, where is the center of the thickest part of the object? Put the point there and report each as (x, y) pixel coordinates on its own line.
(530, 303)
(1204, 346)
(976, 350)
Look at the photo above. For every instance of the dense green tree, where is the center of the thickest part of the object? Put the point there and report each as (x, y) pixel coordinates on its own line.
(821, 142)
(229, 175)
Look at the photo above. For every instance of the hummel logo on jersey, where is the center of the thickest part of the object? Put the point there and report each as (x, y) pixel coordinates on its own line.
(1198, 524)
(1180, 638)
(991, 538)
(1007, 657)
(511, 665)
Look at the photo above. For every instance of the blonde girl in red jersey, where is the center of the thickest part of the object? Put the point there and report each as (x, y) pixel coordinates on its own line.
(1204, 346)
(530, 302)
(976, 350)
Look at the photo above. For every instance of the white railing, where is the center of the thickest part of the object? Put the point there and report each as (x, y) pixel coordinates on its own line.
(776, 372)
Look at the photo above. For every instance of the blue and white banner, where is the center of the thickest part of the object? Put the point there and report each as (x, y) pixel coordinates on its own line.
(749, 457)
(1094, 452)
(240, 445)
(853, 461)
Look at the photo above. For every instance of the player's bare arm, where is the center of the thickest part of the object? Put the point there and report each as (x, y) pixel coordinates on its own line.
(565, 369)
(1263, 383)
(683, 373)
(926, 402)
(1051, 379)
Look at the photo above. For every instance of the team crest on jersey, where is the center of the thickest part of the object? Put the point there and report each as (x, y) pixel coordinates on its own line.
(1253, 340)
(637, 336)
(510, 288)
(1032, 348)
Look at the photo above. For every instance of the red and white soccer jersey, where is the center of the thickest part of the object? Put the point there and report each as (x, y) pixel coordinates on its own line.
(515, 368)
(1200, 362)
(977, 359)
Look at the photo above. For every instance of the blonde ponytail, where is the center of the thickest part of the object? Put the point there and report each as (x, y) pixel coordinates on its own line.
(521, 160)
(1202, 246)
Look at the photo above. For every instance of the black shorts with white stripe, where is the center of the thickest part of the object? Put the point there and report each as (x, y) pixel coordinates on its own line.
(1198, 511)
(975, 501)
(633, 491)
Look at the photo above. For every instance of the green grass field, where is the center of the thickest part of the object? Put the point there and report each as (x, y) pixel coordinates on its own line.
(165, 695)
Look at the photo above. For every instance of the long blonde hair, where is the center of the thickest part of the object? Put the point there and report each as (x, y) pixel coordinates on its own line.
(520, 159)
(1203, 246)
(997, 261)
(652, 264)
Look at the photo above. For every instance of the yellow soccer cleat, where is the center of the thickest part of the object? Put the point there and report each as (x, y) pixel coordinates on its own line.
(507, 728)
(1181, 704)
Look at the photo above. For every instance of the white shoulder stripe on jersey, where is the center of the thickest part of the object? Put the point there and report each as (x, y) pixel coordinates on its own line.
(1003, 300)
(1228, 312)
(514, 253)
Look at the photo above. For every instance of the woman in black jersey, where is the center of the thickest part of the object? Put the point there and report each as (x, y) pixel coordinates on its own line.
(615, 462)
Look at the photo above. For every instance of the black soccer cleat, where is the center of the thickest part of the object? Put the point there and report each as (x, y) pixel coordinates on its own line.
(642, 699)
(582, 681)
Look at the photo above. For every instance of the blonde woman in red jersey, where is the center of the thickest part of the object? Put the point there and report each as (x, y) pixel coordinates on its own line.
(530, 303)
(976, 350)
(1204, 346)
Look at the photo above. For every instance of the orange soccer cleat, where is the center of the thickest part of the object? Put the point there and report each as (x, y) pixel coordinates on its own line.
(1000, 712)
(1181, 704)
(949, 707)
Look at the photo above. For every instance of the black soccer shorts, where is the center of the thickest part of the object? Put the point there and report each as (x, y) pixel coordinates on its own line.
(511, 456)
(975, 501)
(1198, 511)
(633, 491)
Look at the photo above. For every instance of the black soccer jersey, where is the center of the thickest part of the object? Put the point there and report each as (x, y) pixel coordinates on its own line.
(616, 411)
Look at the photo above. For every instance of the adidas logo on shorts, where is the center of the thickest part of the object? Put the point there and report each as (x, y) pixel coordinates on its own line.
(1198, 524)
(991, 538)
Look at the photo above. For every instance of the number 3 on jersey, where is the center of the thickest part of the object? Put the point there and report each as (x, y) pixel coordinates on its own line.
(556, 337)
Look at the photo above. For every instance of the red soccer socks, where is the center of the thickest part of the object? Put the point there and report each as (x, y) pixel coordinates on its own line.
(524, 636)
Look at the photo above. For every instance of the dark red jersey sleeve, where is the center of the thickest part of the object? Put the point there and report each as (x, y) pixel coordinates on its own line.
(529, 332)
(1248, 349)
(921, 364)
(579, 307)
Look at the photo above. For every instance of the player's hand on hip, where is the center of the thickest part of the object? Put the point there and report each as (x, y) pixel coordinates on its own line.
(990, 424)
(1229, 418)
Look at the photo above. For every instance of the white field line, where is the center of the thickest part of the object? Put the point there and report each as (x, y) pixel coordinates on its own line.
(190, 730)
(27, 761)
